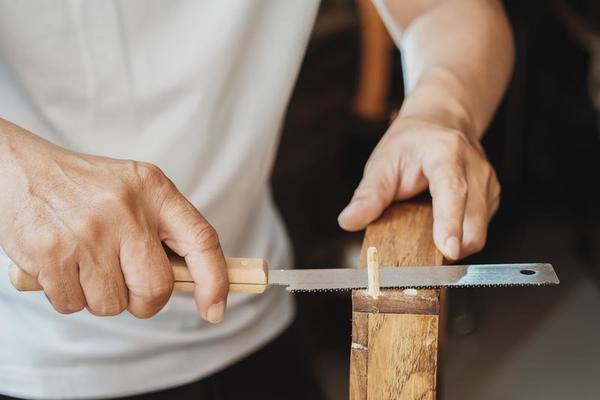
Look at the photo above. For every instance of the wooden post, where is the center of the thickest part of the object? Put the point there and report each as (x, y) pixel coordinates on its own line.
(375, 64)
(395, 336)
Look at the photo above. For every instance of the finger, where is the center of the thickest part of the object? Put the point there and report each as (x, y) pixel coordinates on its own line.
(186, 232)
(374, 193)
(43, 258)
(476, 220)
(448, 188)
(493, 194)
(103, 284)
(62, 288)
(147, 273)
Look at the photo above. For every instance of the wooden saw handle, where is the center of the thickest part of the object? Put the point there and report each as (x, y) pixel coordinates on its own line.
(246, 275)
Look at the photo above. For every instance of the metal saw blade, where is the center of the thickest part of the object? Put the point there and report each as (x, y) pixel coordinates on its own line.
(450, 276)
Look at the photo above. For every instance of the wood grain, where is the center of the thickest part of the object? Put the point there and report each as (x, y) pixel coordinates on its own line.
(395, 337)
(359, 356)
(402, 358)
(398, 302)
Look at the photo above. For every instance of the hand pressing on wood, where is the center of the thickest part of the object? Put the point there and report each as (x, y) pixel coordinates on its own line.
(457, 58)
(90, 230)
(414, 155)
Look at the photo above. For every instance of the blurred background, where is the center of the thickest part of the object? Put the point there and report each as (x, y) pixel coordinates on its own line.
(516, 343)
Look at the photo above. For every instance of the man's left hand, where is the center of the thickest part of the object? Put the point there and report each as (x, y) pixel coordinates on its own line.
(415, 155)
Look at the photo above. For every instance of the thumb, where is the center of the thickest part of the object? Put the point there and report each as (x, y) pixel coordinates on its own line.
(374, 193)
(188, 234)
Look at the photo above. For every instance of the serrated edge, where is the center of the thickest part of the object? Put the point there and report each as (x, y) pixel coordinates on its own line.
(465, 286)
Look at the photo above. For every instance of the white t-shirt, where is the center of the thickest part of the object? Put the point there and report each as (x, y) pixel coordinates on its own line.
(198, 88)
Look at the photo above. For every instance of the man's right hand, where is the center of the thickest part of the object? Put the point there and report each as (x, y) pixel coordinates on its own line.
(89, 229)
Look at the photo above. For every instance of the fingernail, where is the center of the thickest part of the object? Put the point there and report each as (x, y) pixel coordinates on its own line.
(215, 312)
(452, 247)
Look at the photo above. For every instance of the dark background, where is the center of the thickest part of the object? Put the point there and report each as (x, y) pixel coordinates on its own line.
(518, 343)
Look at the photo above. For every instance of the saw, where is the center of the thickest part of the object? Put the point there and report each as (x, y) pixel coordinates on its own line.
(251, 275)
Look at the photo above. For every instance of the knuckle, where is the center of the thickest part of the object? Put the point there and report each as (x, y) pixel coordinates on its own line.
(206, 237)
(152, 301)
(108, 308)
(67, 305)
(49, 244)
(487, 171)
(86, 225)
(148, 173)
(454, 183)
(149, 176)
(121, 196)
(489, 174)
(105, 291)
(159, 294)
(154, 296)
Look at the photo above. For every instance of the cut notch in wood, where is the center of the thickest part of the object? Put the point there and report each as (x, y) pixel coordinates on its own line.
(373, 272)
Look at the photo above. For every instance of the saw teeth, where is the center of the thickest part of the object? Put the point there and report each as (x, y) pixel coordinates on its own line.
(467, 286)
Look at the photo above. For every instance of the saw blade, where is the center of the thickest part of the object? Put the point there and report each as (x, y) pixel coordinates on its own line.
(450, 276)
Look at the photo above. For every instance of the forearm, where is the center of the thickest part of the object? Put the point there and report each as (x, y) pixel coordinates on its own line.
(457, 58)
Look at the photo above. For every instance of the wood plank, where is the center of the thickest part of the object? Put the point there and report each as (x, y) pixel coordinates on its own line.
(359, 356)
(395, 337)
(403, 235)
(402, 359)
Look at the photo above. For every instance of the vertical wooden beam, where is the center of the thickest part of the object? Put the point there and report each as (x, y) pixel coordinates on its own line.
(375, 64)
(395, 337)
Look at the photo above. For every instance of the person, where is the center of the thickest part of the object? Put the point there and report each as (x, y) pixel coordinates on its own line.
(127, 125)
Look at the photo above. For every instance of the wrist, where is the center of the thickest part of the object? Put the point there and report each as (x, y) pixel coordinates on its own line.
(8, 135)
(439, 98)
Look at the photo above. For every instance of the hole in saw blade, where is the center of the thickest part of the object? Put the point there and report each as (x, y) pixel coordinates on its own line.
(527, 272)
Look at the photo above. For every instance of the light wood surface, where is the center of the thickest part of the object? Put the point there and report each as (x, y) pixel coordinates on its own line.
(246, 275)
(395, 337)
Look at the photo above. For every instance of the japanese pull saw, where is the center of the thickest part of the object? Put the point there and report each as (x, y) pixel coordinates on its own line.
(252, 275)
